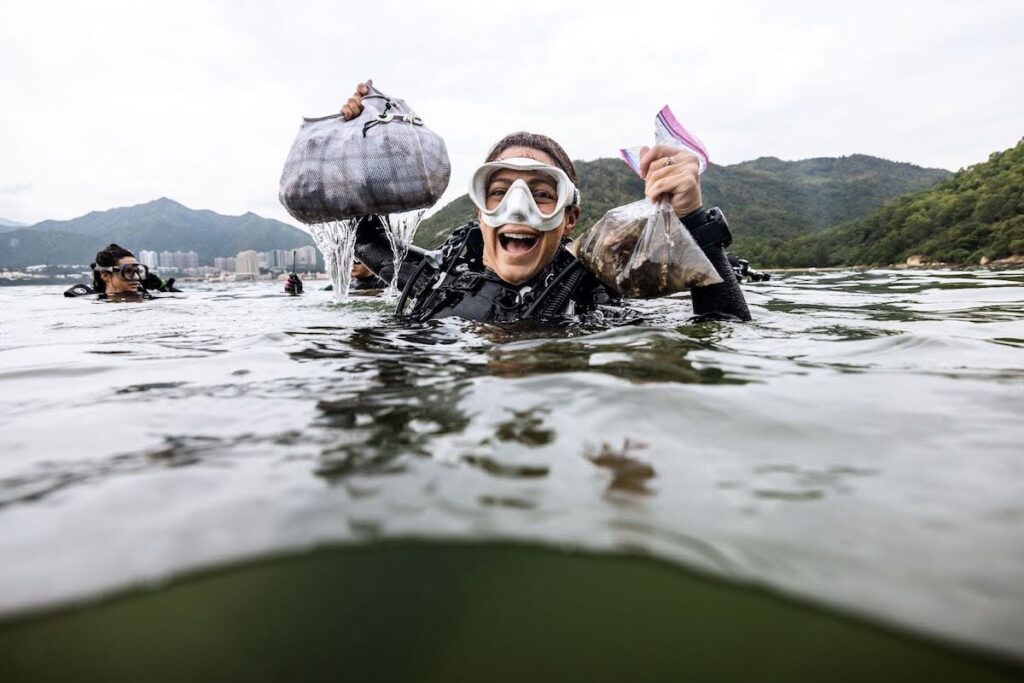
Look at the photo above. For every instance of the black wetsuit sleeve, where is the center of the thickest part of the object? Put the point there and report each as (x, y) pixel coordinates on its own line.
(374, 251)
(725, 298)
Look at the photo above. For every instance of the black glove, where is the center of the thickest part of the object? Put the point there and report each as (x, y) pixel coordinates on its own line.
(294, 285)
(152, 281)
(169, 286)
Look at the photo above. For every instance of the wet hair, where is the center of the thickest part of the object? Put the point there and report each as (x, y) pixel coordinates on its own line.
(108, 257)
(538, 142)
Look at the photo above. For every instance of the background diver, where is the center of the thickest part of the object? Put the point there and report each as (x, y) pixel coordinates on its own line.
(116, 273)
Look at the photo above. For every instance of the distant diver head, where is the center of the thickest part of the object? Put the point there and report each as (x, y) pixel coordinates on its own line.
(522, 232)
(117, 271)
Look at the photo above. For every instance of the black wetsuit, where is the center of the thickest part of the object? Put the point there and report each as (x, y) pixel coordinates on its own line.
(151, 283)
(453, 281)
(86, 290)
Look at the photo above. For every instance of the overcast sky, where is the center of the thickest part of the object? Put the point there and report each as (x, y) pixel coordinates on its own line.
(116, 103)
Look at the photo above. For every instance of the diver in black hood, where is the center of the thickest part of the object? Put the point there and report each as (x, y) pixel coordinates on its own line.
(512, 263)
(116, 273)
(362, 279)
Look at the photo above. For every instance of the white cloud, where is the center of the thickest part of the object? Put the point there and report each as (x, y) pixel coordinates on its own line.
(114, 103)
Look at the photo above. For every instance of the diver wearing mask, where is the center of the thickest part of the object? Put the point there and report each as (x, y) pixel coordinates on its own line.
(512, 267)
(116, 273)
(512, 263)
(361, 279)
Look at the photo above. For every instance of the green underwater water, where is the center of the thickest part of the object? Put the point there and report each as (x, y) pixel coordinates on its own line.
(441, 612)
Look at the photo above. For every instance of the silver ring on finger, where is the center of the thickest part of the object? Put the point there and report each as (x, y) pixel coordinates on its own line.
(668, 161)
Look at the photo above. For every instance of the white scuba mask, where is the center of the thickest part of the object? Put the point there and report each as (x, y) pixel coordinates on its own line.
(518, 205)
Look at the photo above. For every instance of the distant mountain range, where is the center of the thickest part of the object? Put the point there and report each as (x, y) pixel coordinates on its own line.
(7, 223)
(815, 212)
(160, 225)
(764, 199)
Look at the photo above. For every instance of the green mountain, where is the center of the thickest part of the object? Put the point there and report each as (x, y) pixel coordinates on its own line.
(977, 213)
(765, 199)
(159, 225)
(27, 247)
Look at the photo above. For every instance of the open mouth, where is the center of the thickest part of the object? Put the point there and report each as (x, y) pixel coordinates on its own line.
(518, 243)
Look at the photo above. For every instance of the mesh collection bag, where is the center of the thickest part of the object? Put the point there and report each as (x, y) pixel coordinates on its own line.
(384, 161)
(642, 250)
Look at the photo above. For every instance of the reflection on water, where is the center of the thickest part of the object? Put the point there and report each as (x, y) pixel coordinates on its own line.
(629, 474)
(857, 446)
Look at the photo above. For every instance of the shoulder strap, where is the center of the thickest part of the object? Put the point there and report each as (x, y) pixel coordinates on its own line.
(443, 260)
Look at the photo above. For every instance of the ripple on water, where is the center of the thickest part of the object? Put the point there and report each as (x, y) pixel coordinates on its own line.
(856, 445)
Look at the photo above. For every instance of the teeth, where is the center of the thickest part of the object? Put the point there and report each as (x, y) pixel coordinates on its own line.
(518, 236)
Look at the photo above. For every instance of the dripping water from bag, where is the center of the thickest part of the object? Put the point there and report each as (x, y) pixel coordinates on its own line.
(400, 230)
(336, 240)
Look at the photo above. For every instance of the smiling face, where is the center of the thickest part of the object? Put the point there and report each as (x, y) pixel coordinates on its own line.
(518, 252)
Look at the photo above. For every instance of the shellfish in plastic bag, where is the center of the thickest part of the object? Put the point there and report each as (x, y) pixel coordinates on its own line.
(642, 250)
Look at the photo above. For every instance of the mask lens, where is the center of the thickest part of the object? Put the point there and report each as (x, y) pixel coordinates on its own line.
(134, 272)
(546, 197)
(545, 192)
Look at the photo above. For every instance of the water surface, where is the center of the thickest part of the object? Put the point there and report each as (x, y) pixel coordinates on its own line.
(857, 447)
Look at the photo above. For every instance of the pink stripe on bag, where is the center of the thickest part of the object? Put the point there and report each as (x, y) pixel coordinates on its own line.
(668, 131)
(628, 158)
(681, 134)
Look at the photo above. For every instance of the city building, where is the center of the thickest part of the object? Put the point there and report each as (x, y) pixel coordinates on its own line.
(247, 263)
(307, 256)
(170, 261)
(301, 258)
(225, 264)
(150, 259)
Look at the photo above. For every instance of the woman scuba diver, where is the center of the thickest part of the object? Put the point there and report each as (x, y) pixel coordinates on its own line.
(116, 273)
(512, 263)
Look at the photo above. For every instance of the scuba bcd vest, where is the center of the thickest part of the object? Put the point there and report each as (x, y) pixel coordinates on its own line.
(453, 281)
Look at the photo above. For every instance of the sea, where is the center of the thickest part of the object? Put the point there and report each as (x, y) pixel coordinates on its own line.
(233, 483)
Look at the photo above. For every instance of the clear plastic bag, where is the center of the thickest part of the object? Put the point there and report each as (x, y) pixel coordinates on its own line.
(642, 250)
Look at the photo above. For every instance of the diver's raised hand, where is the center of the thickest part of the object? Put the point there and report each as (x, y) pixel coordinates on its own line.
(672, 172)
(354, 106)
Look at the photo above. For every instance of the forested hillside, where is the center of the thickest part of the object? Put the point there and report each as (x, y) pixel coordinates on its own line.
(978, 213)
(764, 199)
